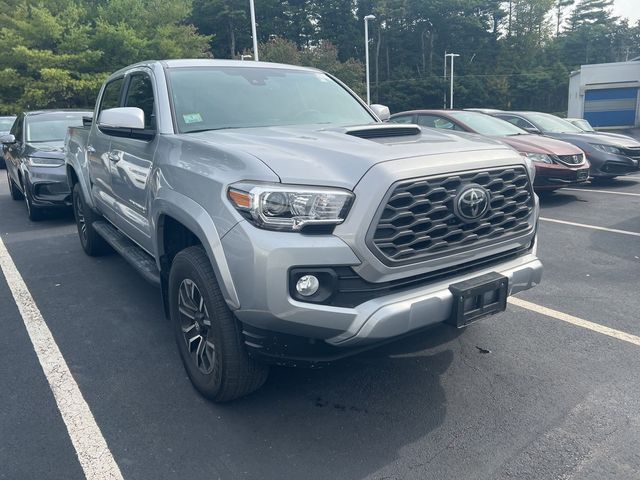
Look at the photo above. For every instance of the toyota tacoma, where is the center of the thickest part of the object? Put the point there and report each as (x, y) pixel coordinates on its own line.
(285, 223)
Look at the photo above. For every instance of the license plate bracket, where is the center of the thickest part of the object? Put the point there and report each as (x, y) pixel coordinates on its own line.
(478, 297)
(582, 174)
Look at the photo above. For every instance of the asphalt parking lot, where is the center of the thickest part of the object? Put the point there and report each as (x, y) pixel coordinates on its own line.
(528, 394)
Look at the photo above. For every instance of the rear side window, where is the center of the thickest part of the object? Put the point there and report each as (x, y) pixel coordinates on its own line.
(402, 119)
(140, 94)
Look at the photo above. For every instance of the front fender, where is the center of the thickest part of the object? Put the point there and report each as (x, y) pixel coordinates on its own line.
(194, 217)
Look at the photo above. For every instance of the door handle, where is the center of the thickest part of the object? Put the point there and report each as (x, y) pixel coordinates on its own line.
(90, 149)
(113, 157)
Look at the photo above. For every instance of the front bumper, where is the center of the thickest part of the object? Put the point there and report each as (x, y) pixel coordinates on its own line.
(609, 165)
(48, 186)
(260, 261)
(553, 176)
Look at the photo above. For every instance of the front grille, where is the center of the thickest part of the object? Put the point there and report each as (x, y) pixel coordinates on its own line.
(631, 152)
(571, 159)
(417, 220)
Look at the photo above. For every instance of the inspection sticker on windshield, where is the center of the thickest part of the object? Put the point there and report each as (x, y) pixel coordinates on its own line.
(192, 118)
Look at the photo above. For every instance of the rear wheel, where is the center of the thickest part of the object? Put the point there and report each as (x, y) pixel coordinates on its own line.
(92, 243)
(13, 189)
(207, 333)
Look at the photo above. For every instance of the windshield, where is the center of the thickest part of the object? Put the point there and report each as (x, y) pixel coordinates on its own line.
(6, 123)
(209, 98)
(551, 124)
(51, 127)
(486, 125)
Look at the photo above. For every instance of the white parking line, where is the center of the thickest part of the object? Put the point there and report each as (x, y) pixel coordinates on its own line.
(593, 227)
(602, 191)
(596, 327)
(93, 453)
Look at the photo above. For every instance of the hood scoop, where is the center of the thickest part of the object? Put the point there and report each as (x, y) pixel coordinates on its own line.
(384, 131)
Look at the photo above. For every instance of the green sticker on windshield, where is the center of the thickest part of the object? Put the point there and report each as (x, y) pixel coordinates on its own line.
(192, 118)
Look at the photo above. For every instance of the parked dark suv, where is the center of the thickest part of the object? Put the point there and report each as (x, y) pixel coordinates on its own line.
(35, 159)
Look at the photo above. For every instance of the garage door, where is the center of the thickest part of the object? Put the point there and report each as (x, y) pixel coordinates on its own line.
(611, 107)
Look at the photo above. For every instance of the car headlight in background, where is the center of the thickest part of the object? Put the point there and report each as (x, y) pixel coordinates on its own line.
(539, 157)
(289, 207)
(607, 148)
(44, 162)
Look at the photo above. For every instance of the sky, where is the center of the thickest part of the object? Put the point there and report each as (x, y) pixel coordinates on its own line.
(627, 8)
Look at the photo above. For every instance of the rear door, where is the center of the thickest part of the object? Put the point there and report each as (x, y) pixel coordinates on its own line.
(131, 162)
(98, 147)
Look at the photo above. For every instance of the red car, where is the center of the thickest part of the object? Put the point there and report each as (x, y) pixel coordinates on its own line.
(558, 163)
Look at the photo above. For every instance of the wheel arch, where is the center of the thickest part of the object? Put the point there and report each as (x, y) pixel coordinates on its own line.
(179, 223)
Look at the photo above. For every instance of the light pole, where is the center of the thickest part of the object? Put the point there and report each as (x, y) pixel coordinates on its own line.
(452, 55)
(366, 49)
(253, 30)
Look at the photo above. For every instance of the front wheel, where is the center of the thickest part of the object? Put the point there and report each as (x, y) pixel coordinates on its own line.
(34, 213)
(207, 333)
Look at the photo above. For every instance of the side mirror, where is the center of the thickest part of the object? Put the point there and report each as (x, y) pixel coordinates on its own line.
(7, 139)
(125, 122)
(532, 130)
(122, 117)
(381, 111)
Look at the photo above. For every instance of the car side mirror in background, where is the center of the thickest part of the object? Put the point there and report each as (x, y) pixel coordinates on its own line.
(124, 122)
(7, 139)
(382, 111)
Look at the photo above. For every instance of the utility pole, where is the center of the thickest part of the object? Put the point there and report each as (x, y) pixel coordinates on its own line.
(366, 49)
(253, 30)
(452, 55)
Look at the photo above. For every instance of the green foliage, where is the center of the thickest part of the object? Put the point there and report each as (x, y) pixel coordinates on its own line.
(513, 53)
(57, 53)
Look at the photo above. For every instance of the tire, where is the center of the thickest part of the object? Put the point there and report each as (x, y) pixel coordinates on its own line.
(92, 243)
(34, 213)
(13, 190)
(207, 333)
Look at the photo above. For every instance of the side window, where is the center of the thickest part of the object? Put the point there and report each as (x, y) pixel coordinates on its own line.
(17, 128)
(111, 95)
(140, 94)
(517, 121)
(402, 119)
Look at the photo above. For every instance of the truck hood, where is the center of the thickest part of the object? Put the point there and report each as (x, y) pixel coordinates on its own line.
(336, 156)
(599, 138)
(538, 144)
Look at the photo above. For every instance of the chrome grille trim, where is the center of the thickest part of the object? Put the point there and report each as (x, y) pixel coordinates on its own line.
(416, 220)
(571, 159)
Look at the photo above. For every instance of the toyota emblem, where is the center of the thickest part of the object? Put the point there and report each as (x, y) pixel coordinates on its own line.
(472, 202)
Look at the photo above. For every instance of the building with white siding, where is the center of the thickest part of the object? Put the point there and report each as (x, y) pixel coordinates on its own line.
(606, 94)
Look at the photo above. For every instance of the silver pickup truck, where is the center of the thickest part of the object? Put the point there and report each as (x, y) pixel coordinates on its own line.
(285, 223)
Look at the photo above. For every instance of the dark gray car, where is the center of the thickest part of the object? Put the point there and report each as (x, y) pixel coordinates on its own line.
(35, 159)
(610, 155)
(5, 126)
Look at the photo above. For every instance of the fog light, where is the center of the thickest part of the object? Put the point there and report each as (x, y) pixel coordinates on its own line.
(307, 285)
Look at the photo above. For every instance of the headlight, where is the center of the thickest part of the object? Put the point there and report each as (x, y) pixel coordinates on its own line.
(44, 162)
(607, 148)
(289, 207)
(531, 168)
(539, 157)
